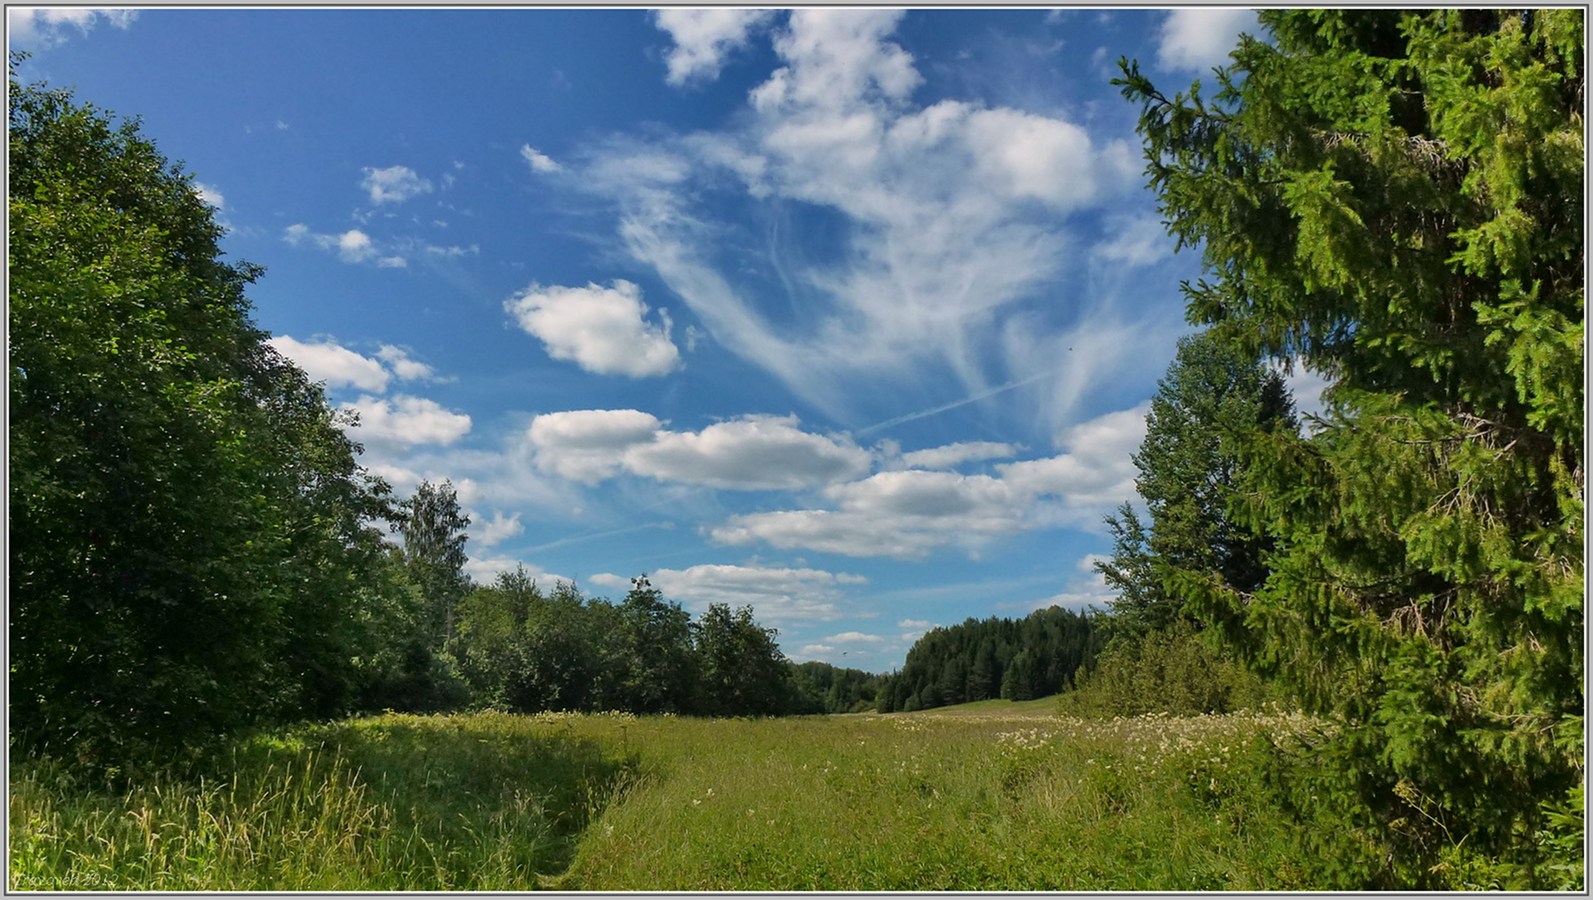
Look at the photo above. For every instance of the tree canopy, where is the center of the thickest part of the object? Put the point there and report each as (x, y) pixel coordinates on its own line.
(986, 659)
(1214, 399)
(188, 524)
(1394, 200)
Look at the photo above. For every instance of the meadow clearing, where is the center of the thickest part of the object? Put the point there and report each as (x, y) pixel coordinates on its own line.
(996, 795)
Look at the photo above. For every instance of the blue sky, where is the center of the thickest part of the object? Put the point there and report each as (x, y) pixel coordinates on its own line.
(849, 314)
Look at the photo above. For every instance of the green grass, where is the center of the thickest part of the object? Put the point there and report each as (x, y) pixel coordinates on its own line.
(942, 802)
(385, 803)
(1041, 707)
(987, 796)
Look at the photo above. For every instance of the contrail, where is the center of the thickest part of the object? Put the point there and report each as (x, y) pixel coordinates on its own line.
(991, 392)
(593, 535)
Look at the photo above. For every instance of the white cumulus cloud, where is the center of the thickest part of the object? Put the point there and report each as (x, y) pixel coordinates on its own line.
(393, 184)
(776, 594)
(703, 38)
(486, 569)
(603, 330)
(588, 444)
(333, 363)
(751, 453)
(403, 420)
(352, 246)
(854, 637)
(755, 452)
(210, 195)
(1199, 38)
(488, 532)
(907, 514)
(403, 365)
(1092, 478)
(952, 455)
(355, 246)
(43, 27)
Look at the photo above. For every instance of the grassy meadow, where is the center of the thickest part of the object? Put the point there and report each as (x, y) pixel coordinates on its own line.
(995, 795)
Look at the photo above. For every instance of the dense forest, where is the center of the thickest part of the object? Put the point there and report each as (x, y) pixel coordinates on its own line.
(1022, 659)
(1392, 200)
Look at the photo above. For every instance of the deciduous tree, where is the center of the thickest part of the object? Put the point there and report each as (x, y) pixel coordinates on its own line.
(187, 522)
(434, 549)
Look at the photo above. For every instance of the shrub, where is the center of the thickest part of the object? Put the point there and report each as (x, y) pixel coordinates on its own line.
(1174, 671)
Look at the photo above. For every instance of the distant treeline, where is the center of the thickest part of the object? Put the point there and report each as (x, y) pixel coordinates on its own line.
(517, 647)
(989, 658)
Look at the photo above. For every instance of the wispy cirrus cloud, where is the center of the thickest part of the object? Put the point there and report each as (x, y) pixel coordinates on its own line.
(358, 247)
(909, 513)
(352, 246)
(953, 214)
(539, 161)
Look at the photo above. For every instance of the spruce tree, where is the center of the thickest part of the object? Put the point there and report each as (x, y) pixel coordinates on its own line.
(1395, 199)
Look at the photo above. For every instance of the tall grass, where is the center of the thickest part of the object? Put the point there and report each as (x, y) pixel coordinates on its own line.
(946, 802)
(1004, 798)
(390, 803)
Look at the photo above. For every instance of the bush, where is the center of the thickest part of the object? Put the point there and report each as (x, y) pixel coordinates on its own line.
(1174, 671)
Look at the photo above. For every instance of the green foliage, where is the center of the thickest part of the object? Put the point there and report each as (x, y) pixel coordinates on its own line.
(491, 644)
(433, 527)
(1176, 671)
(984, 659)
(1213, 401)
(524, 651)
(1141, 603)
(1395, 197)
(661, 669)
(188, 525)
(743, 671)
(823, 688)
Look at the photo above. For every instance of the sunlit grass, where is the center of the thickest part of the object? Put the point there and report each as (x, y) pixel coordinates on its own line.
(944, 802)
(385, 803)
(993, 798)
